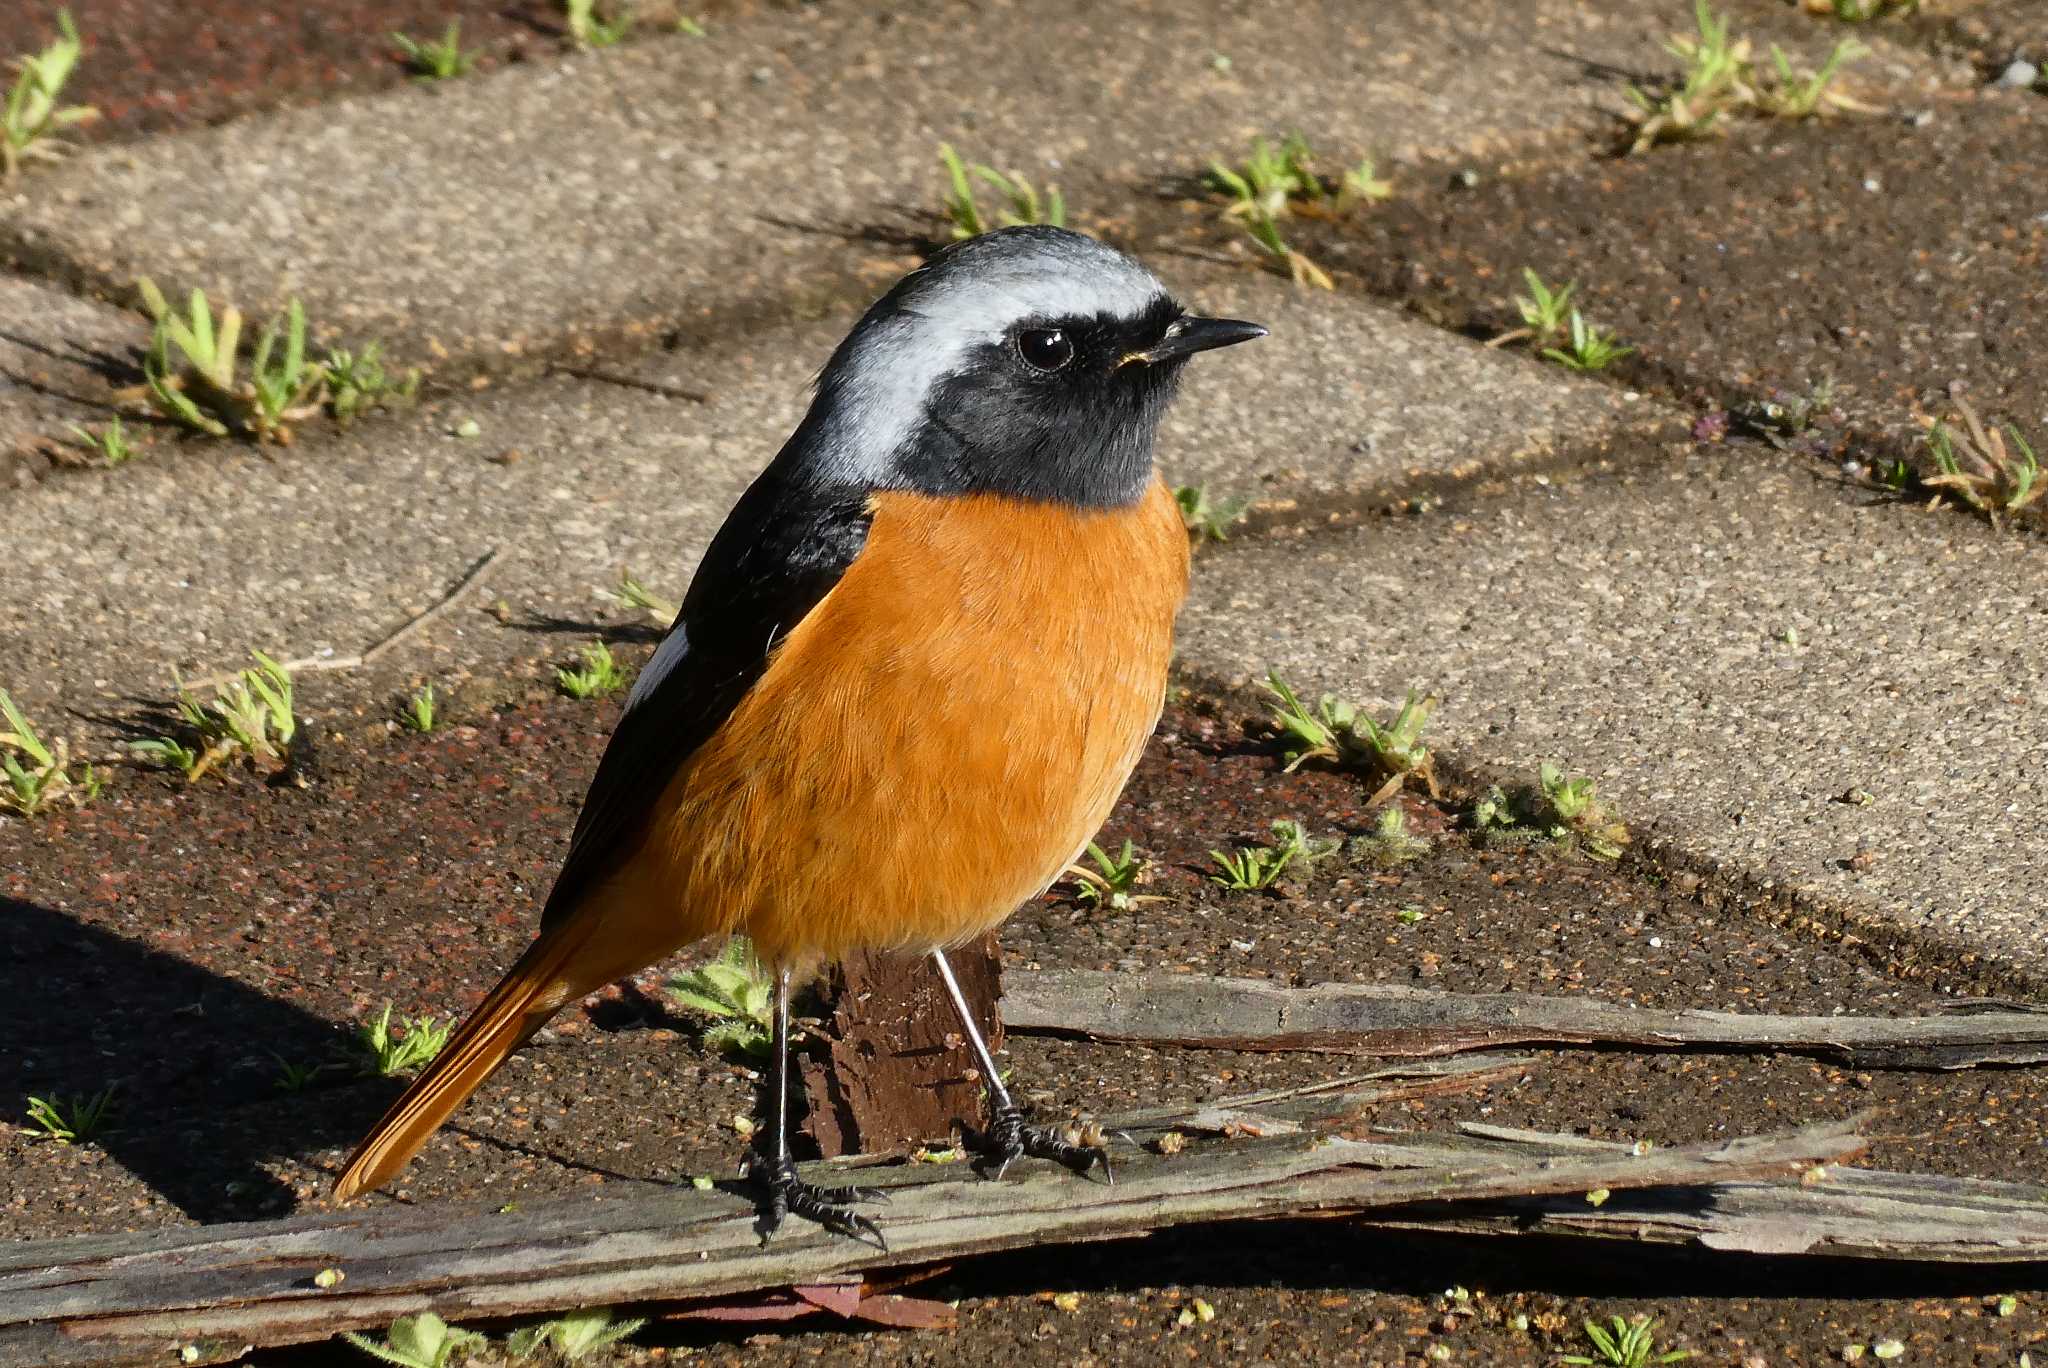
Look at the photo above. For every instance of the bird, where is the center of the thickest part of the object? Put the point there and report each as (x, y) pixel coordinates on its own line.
(913, 671)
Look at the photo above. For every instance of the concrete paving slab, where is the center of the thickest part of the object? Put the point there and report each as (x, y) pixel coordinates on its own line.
(1730, 648)
(190, 558)
(623, 193)
(58, 356)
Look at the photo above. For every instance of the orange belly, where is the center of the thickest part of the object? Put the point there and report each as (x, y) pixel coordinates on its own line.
(930, 746)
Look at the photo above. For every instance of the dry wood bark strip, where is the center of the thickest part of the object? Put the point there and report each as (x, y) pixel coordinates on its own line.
(1862, 1212)
(134, 1299)
(1343, 1018)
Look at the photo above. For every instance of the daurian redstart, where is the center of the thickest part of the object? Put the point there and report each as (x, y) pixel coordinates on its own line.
(932, 636)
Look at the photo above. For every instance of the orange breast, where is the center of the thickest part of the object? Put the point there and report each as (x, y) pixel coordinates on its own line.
(931, 745)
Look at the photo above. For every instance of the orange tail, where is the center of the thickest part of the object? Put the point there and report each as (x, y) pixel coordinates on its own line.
(534, 990)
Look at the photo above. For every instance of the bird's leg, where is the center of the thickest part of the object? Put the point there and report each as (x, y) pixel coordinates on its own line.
(781, 1192)
(1007, 1137)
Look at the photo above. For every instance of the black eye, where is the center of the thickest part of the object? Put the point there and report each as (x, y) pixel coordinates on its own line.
(1047, 349)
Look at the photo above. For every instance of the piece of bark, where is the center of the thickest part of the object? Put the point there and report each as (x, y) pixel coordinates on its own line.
(134, 1299)
(1199, 1011)
(898, 1070)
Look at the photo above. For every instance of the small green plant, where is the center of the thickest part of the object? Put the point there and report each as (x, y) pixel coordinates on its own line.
(1802, 97)
(110, 443)
(631, 593)
(1270, 180)
(418, 713)
(1975, 466)
(1021, 202)
(1337, 732)
(1362, 184)
(1630, 1344)
(737, 993)
(1863, 11)
(33, 115)
(574, 1336)
(1114, 881)
(72, 1120)
(37, 773)
(293, 1078)
(436, 61)
(422, 1341)
(1263, 190)
(385, 1052)
(597, 676)
(1586, 347)
(1209, 519)
(689, 27)
(357, 382)
(589, 30)
(251, 716)
(1390, 842)
(1546, 312)
(1248, 868)
(1720, 78)
(1716, 81)
(190, 372)
(1578, 816)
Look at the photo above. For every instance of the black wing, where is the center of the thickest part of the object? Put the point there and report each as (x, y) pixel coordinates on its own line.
(781, 550)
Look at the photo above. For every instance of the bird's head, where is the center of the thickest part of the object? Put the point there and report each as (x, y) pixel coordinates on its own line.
(1033, 362)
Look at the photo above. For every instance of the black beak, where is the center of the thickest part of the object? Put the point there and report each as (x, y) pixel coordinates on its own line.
(1188, 334)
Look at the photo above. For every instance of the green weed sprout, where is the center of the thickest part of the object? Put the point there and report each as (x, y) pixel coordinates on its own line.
(1721, 78)
(251, 715)
(1209, 519)
(33, 115)
(1802, 97)
(436, 61)
(589, 30)
(1337, 732)
(1114, 880)
(357, 383)
(1717, 80)
(110, 443)
(1587, 348)
(34, 773)
(190, 370)
(574, 1336)
(1630, 1344)
(1021, 202)
(1390, 842)
(598, 675)
(1262, 191)
(422, 1341)
(631, 593)
(1256, 867)
(1976, 467)
(386, 1053)
(737, 993)
(418, 714)
(1579, 816)
(1545, 311)
(72, 1120)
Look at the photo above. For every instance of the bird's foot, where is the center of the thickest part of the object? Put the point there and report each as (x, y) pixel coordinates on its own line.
(780, 1193)
(1008, 1138)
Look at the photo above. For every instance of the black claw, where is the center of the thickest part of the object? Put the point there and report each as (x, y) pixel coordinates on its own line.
(781, 1193)
(1008, 1139)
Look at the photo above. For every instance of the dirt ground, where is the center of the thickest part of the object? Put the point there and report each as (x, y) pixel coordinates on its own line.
(407, 872)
